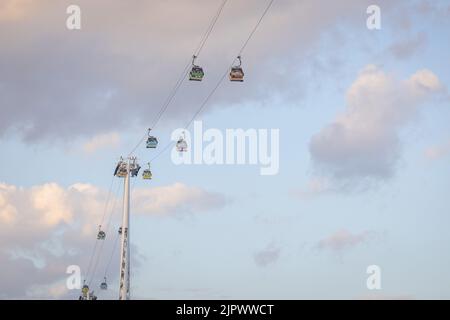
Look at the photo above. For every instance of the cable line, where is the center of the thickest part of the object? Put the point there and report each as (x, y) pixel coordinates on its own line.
(183, 75)
(96, 254)
(107, 202)
(112, 254)
(101, 245)
(221, 79)
(101, 222)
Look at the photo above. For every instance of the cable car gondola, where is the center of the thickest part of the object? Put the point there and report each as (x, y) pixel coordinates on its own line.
(121, 169)
(135, 170)
(182, 144)
(236, 73)
(104, 285)
(84, 291)
(152, 142)
(101, 235)
(147, 174)
(196, 73)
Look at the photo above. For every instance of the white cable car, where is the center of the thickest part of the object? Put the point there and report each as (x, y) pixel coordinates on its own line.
(104, 285)
(182, 144)
(196, 73)
(147, 174)
(236, 73)
(121, 169)
(152, 142)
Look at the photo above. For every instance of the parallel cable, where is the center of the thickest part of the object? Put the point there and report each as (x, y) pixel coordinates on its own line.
(101, 222)
(103, 241)
(107, 201)
(183, 75)
(186, 69)
(90, 260)
(220, 80)
(107, 229)
(209, 30)
(112, 254)
(164, 108)
(113, 210)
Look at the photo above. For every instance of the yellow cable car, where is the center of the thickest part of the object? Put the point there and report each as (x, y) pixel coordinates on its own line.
(147, 174)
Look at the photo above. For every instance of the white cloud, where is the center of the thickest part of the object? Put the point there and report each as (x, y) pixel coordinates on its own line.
(44, 237)
(424, 81)
(8, 213)
(51, 203)
(45, 228)
(363, 142)
(102, 141)
(176, 198)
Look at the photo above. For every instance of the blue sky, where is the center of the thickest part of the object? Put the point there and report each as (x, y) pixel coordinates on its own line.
(315, 242)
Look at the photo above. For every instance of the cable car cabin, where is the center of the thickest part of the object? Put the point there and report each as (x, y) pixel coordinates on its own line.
(181, 145)
(85, 290)
(135, 170)
(104, 285)
(121, 170)
(196, 74)
(147, 174)
(152, 142)
(101, 235)
(237, 74)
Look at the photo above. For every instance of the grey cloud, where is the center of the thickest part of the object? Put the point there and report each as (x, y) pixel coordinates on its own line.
(267, 256)
(405, 48)
(117, 70)
(46, 228)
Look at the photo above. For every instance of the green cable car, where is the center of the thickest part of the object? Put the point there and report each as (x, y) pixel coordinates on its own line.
(196, 73)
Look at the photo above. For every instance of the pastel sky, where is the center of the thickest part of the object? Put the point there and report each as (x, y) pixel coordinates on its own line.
(364, 174)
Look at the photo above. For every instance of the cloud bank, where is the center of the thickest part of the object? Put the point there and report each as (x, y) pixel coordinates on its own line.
(117, 71)
(363, 141)
(46, 228)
